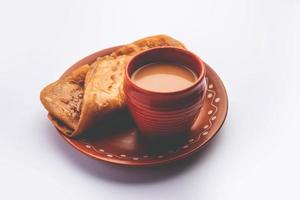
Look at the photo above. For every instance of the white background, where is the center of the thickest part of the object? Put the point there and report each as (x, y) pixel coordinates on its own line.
(252, 45)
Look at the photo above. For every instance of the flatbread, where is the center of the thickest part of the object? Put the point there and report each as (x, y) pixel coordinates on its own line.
(84, 96)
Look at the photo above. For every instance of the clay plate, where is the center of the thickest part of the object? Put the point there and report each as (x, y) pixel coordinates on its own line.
(119, 142)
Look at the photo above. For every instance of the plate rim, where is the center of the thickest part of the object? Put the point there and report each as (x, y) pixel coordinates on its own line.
(157, 162)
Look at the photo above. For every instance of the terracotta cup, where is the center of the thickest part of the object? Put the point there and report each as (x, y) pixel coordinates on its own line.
(165, 113)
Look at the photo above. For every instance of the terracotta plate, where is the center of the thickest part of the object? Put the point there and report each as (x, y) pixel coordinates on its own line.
(119, 142)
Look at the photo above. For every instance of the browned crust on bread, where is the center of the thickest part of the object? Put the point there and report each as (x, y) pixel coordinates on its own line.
(84, 95)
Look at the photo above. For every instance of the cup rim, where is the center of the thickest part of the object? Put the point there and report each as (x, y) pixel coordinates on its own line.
(194, 56)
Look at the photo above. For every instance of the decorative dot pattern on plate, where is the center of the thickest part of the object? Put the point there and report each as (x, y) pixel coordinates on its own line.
(191, 140)
(205, 133)
(211, 95)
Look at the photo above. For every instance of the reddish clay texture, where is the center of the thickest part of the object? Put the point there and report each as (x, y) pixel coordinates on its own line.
(165, 113)
(119, 142)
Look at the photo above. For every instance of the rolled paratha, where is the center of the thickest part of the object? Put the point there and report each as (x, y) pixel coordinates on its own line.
(84, 96)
